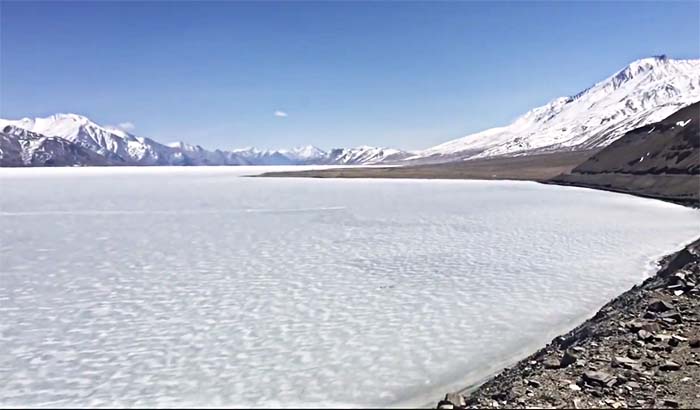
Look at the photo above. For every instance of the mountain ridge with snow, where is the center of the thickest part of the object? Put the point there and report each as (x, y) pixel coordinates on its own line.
(643, 92)
(23, 143)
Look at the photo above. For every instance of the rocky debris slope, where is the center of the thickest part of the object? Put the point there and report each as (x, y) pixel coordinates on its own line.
(659, 160)
(641, 350)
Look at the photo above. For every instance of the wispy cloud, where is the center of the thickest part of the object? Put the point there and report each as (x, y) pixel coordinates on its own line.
(126, 126)
(281, 114)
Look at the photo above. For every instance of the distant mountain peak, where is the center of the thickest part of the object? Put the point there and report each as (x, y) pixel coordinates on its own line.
(71, 117)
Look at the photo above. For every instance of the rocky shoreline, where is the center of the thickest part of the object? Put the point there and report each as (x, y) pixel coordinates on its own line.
(640, 350)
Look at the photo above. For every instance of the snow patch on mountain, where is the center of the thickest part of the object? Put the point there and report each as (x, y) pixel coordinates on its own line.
(365, 155)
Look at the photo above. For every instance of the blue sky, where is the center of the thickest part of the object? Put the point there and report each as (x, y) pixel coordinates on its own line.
(408, 75)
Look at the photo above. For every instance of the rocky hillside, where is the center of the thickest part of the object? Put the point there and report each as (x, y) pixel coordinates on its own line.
(641, 350)
(659, 160)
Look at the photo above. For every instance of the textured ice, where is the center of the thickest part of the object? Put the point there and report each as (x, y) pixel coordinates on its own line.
(193, 287)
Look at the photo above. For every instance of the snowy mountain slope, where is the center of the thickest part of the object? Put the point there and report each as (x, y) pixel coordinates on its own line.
(310, 155)
(254, 156)
(10, 151)
(307, 154)
(187, 154)
(19, 147)
(644, 92)
(111, 146)
(364, 155)
(104, 141)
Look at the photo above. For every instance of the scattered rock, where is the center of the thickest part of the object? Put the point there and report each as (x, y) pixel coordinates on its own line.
(639, 350)
(574, 387)
(599, 378)
(676, 340)
(533, 383)
(625, 362)
(671, 315)
(671, 403)
(662, 338)
(552, 363)
(669, 366)
(644, 335)
(657, 305)
(455, 399)
(651, 327)
(568, 359)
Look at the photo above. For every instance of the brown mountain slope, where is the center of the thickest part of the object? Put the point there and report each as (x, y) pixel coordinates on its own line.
(660, 160)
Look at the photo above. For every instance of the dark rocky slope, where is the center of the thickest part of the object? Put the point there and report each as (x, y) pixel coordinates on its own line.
(660, 160)
(641, 350)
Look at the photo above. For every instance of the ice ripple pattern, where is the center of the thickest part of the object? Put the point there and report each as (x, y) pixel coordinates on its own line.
(199, 288)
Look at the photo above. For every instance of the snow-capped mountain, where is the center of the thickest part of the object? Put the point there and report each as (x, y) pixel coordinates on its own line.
(646, 91)
(19, 147)
(365, 155)
(307, 154)
(254, 156)
(71, 139)
(115, 145)
(187, 154)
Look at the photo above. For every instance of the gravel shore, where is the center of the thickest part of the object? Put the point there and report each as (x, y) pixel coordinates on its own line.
(641, 350)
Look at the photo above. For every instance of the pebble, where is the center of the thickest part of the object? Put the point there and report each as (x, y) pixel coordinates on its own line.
(670, 366)
(645, 335)
(671, 403)
(599, 378)
(568, 359)
(534, 383)
(657, 305)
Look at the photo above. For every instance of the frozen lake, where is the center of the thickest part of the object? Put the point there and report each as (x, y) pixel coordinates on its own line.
(194, 287)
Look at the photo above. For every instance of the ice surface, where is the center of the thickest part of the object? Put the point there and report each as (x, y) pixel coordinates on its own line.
(193, 287)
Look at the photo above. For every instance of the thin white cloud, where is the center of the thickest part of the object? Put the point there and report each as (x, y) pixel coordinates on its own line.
(126, 126)
(281, 114)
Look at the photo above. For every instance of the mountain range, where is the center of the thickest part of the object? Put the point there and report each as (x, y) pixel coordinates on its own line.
(644, 92)
(71, 139)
